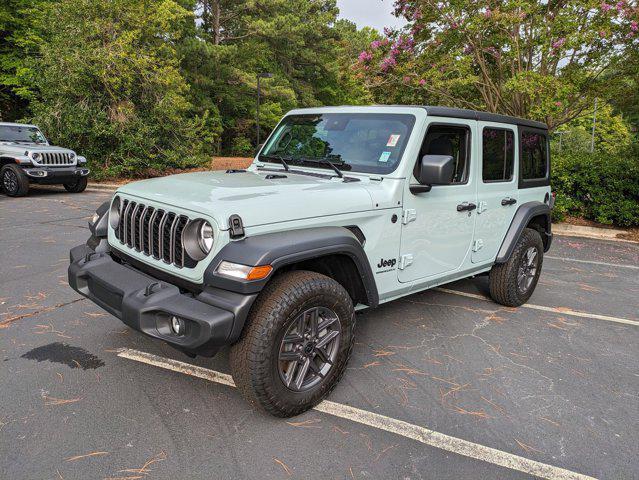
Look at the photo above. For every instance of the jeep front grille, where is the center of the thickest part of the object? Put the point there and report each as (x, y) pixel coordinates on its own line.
(55, 159)
(154, 232)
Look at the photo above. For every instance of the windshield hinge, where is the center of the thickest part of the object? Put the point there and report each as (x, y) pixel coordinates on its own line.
(409, 215)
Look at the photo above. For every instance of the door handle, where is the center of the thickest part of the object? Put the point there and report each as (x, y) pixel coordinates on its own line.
(508, 201)
(466, 207)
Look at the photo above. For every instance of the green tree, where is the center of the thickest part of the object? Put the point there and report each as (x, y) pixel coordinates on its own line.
(531, 58)
(108, 83)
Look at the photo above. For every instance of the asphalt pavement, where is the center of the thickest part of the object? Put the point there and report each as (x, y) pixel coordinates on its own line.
(446, 383)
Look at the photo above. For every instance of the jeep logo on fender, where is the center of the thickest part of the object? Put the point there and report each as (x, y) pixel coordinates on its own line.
(387, 263)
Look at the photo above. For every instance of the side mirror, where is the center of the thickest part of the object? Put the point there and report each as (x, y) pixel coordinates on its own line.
(434, 170)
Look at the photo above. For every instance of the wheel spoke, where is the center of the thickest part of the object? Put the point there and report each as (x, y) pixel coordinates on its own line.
(289, 356)
(290, 373)
(316, 370)
(327, 322)
(293, 338)
(313, 319)
(327, 338)
(322, 354)
(301, 374)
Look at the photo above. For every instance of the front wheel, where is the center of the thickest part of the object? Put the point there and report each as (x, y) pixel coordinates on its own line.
(512, 283)
(77, 186)
(14, 181)
(296, 344)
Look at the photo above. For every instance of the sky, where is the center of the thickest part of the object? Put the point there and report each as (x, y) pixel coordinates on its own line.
(369, 13)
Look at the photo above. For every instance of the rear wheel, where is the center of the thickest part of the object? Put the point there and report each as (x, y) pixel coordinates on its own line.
(77, 186)
(512, 283)
(296, 343)
(14, 181)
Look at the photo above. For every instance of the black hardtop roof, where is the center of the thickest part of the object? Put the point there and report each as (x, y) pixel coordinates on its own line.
(435, 111)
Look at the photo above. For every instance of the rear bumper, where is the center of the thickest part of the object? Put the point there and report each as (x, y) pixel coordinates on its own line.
(51, 175)
(147, 304)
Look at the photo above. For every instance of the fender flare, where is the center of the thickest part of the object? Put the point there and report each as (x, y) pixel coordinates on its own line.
(285, 248)
(522, 217)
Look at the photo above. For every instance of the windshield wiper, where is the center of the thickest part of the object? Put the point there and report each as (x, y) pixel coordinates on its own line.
(327, 161)
(278, 157)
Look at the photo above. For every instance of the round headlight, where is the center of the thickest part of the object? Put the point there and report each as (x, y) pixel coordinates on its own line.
(35, 156)
(197, 239)
(71, 156)
(114, 213)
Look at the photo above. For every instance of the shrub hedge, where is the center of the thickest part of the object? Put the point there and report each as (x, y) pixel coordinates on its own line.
(599, 187)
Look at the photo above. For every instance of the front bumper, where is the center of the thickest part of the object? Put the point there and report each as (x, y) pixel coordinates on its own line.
(147, 304)
(53, 175)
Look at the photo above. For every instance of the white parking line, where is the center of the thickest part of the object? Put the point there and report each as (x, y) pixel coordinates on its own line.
(592, 262)
(381, 422)
(562, 311)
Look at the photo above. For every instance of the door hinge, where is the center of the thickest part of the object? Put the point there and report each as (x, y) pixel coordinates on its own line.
(409, 215)
(478, 245)
(405, 261)
(481, 207)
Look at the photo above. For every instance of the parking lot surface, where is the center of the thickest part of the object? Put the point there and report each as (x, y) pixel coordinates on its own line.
(554, 383)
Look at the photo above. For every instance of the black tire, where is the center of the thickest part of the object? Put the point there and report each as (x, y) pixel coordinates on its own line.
(78, 186)
(255, 358)
(506, 285)
(14, 181)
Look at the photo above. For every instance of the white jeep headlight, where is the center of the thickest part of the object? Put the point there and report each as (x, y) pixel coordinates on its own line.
(197, 238)
(35, 156)
(114, 213)
(71, 156)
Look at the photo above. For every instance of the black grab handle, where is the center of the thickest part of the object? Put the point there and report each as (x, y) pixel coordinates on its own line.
(463, 207)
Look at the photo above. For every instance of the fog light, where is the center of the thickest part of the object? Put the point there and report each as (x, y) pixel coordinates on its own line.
(178, 326)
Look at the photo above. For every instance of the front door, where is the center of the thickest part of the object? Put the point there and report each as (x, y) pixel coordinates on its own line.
(437, 229)
(497, 193)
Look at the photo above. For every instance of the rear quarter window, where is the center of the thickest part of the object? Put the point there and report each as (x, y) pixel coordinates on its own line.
(534, 162)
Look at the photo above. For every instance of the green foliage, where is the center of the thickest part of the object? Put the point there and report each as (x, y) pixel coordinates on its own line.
(537, 59)
(109, 85)
(612, 133)
(602, 188)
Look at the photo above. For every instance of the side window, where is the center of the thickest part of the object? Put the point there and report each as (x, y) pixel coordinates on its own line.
(498, 155)
(451, 140)
(534, 156)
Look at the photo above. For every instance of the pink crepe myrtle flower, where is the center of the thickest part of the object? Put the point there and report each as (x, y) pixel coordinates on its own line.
(375, 44)
(365, 56)
(422, 82)
(558, 104)
(557, 44)
(620, 6)
(388, 63)
(605, 7)
(602, 34)
(488, 13)
(406, 79)
(634, 26)
(417, 15)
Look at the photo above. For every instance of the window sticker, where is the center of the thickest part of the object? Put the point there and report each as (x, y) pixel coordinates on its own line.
(385, 156)
(392, 140)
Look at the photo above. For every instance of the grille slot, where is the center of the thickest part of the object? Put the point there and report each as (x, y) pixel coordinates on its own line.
(155, 232)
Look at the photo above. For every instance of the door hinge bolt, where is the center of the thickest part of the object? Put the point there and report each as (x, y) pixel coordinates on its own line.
(478, 245)
(405, 261)
(409, 215)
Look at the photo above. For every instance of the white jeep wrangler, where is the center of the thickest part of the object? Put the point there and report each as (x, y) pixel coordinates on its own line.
(344, 208)
(26, 157)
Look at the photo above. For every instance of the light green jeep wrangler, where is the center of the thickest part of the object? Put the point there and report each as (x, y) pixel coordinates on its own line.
(344, 208)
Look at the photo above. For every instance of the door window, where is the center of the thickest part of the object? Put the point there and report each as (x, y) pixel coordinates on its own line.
(498, 155)
(453, 140)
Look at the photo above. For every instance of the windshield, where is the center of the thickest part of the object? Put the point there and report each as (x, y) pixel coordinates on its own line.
(21, 134)
(358, 142)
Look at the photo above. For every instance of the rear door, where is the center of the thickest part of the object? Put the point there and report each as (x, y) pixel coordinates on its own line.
(497, 193)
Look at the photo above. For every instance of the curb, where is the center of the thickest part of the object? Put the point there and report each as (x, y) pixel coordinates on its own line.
(103, 186)
(567, 230)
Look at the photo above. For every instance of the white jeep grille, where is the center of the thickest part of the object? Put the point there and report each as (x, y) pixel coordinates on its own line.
(155, 232)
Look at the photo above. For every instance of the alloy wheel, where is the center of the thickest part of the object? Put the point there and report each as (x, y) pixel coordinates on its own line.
(527, 269)
(10, 181)
(309, 348)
